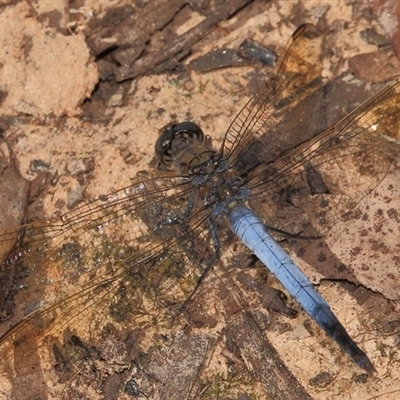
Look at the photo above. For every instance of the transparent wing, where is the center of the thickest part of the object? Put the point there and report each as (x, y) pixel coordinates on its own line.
(313, 185)
(122, 260)
(259, 134)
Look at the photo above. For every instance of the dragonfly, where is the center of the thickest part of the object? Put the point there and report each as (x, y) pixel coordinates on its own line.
(152, 244)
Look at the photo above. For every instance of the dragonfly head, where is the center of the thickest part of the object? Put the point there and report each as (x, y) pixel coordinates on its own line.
(182, 147)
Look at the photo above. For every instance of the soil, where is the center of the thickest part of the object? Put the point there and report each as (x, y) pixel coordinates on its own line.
(84, 89)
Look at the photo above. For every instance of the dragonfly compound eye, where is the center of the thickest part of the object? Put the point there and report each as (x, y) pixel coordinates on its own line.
(190, 130)
(184, 131)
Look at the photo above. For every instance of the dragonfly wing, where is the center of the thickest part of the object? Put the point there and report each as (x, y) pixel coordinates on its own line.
(251, 138)
(309, 188)
(145, 256)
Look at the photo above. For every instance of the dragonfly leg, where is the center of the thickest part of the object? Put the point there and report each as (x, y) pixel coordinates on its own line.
(217, 246)
(292, 235)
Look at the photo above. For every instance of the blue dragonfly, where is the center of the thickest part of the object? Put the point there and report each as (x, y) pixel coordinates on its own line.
(153, 244)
